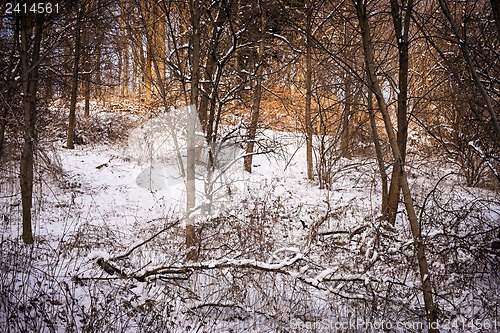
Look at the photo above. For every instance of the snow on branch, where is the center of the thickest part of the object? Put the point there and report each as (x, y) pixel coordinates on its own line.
(188, 268)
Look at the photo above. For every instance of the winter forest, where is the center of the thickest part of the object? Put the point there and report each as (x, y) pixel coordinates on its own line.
(249, 166)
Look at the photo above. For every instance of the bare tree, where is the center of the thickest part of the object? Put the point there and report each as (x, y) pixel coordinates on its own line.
(75, 78)
(191, 237)
(259, 64)
(401, 17)
(31, 39)
(374, 84)
(308, 79)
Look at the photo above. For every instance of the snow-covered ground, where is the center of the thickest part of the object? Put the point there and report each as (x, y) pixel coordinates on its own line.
(278, 254)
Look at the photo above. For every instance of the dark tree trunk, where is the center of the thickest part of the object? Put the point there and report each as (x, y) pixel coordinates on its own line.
(378, 152)
(254, 121)
(30, 82)
(192, 241)
(401, 26)
(308, 79)
(374, 84)
(74, 86)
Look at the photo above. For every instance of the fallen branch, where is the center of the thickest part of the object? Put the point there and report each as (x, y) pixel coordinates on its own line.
(135, 246)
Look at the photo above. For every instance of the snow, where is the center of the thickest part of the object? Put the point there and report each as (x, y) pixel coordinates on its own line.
(264, 261)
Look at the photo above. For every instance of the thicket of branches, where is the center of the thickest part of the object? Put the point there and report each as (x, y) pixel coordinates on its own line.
(402, 76)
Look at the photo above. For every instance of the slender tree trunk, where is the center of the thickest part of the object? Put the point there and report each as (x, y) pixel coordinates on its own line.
(124, 51)
(30, 82)
(98, 91)
(418, 242)
(192, 241)
(254, 122)
(141, 68)
(87, 75)
(209, 93)
(74, 86)
(159, 49)
(378, 151)
(3, 124)
(401, 26)
(148, 67)
(345, 136)
(309, 128)
(86, 92)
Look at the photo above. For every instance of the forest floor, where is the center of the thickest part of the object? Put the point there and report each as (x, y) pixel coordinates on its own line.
(277, 253)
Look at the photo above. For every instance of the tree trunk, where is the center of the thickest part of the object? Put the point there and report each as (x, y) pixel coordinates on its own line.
(86, 84)
(86, 92)
(345, 136)
(148, 68)
(192, 241)
(3, 123)
(254, 121)
(401, 27)
(378, 152)
(74, 86)
(309, 128)
(125, 52)
(419, 245)
(30, 82)
(87, 76)
(209, 95)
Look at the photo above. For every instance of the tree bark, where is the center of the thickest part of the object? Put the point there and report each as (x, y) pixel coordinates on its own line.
(192, 241)
(30, 86)
(309, 129)
(254, 121)
(74, 85)
(345, 135)
(401, 27)
(3, 124)
(86, 93)
(87, 69)
(418, 242)
(378, 152)
(209, 94)
(125, 51)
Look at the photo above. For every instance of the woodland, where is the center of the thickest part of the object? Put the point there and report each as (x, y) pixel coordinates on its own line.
(249, 166)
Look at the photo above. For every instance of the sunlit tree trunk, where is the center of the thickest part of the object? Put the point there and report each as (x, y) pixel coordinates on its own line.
(374, 84)
(125, 51)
